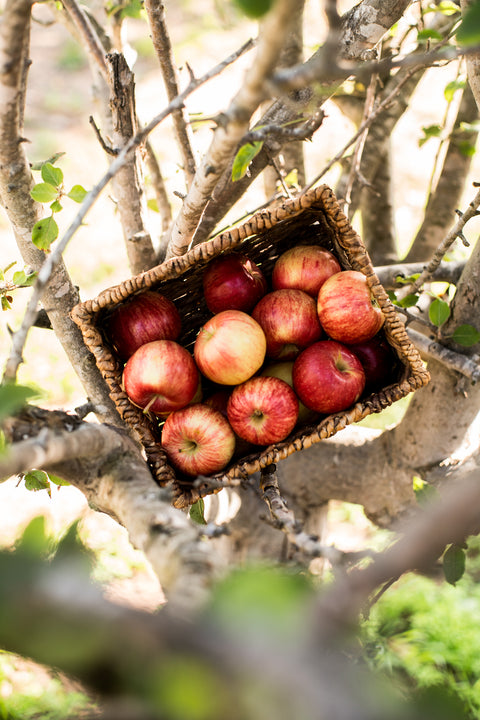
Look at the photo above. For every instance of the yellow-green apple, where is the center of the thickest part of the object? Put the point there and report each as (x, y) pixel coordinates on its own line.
(198, 440)
(304, 267)
(140, 320)
(289, 320)
(233, 282)
(347, 310)
(263, 410)
(284, 371)
(378, 360)
(230, 347)
(161, 376)
(328, 377)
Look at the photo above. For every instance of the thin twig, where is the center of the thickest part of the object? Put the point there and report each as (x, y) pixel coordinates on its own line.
(84, 26)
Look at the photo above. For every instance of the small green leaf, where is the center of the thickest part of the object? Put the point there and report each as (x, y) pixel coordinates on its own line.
(152, 204)
(77, 194)
(51, 174)
(21, 278)
(466, 148)
(44, 232)
(58, 480)
(424, 36)
(35, 540)
(470, 127)
(56, 206)
(197, 511)
(52, 160)
(452, 87)
(37, 480)
(466, 335)
(243, 158)
(13, 397)
(428, 132)
(438, 312)
(44, 192)
(408, 301)
(406, 279)
(6, 302)
(454, 564)
(446, 7)
(254, 8)
(468, 32)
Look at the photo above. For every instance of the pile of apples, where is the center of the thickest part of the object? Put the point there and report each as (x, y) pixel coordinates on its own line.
(268, 358)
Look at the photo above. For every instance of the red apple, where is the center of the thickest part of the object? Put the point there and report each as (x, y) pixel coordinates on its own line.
(289, 320)
(347, 310)
(142, 319)
(230, 347)
(161, 376)
(378, 361)
(233, 282)
(284, 371)
(263, 410)
(198, 440)
(304, 267)
(328, 377)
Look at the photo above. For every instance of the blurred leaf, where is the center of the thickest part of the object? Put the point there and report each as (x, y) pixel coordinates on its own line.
(77, 194)
(254, 8)
(58, 480)
(44, 232)
(13, 397)
(6, 302)
(470, 127)
(466, 148)
(428, 132)
(438, 312)
(406, 279)
(152, 204)
(56, 206)
(52, 160)
(37, 480)
(424, 492)
(454, 564)
(446, 7)
(243, 158)
(44, 192)
(427, 34)
(466, 335)
(51, 174)
(197, 512)
(452, 87)
(468, 32)
(35, 539)
(21, 278)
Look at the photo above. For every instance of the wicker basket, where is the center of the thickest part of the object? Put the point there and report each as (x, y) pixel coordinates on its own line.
(312, 218)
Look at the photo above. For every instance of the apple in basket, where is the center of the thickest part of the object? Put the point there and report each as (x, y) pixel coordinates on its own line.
(378, 360)
(230, 347)
(304, 267)
(328, 377)
(263, 410)
(198, 440)
(283, 369)
(289, 320)
(233, 282)
(347, 309)
(161, 376)
(142, 319)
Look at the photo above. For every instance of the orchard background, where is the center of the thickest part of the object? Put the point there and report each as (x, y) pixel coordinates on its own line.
(302, 624)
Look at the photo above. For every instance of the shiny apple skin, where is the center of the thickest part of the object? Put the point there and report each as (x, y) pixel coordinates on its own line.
(143, 319)
(346, 308)
(198, 440)
(304, 267)
(263, 410)
(328, 377)
(378, 360)
(230, 347)
(283, 369)
(160, 377)
(233, 282)
(289, 320)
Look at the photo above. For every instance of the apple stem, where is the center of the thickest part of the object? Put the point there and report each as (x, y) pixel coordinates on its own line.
(149, 404)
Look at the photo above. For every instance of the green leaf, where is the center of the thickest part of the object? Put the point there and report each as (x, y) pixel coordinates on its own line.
(37, 480)
(21, 278)
(197, 511)
(446, 7)
(13, 397)
(6, 302)
(424, 36)
(254, 8)
(470, 127)
(453, 564)
(35, 540)
(44, 192)
(428, 132)
(58, 480)
(439, 312)
(56, 206)
(152, 204)
(406, 279)
(466, 148)
(77, 194)
(51, 174)
(468, 32)
(243, 158)
(408, 301)
(44, 232)
(424, 492)
(466, 335)
(452, 87)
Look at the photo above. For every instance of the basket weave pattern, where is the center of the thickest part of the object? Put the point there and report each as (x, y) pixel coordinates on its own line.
(312, 218)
